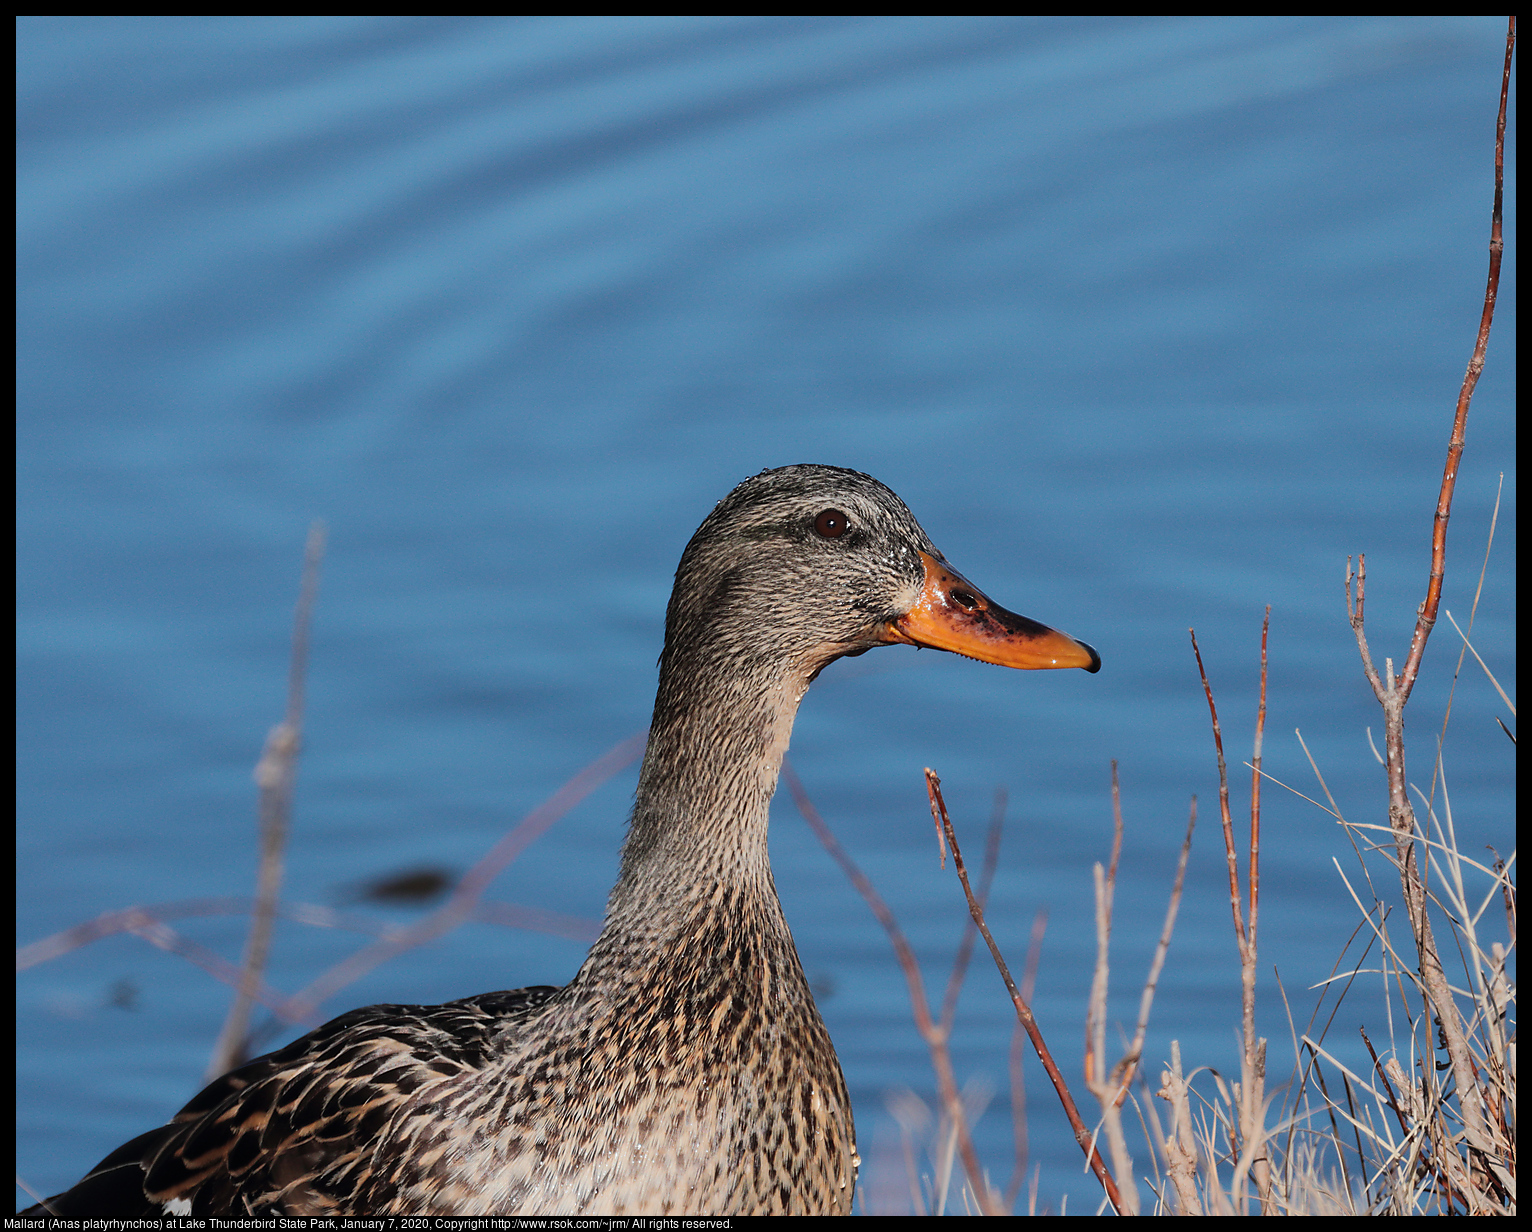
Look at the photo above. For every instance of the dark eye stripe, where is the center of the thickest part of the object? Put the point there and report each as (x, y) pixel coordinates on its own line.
(832, 524)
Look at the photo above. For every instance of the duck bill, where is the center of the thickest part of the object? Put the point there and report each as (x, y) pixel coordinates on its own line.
(953, 614)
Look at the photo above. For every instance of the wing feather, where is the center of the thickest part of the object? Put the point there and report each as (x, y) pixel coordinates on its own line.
(296, 1131)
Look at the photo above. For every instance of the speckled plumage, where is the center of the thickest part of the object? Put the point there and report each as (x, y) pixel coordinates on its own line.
(685, 1069)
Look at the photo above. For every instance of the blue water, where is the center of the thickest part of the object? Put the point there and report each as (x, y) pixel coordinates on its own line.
(1150, 321)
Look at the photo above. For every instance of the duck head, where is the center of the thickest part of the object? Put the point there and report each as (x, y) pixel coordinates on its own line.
(793, 569)
(802, 565)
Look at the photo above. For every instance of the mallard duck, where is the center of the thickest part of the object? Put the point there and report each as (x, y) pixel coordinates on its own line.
(685, 1069)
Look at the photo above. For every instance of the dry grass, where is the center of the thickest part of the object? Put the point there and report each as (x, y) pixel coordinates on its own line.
(1388, 1139)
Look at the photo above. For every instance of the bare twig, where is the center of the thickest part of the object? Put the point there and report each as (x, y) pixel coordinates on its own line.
(1392, 694)
(1473, 611)
(1230, 851)
(1255, 816)
(1023, 1010)
(1018, 1078)
(1254, 1077)
(934, 1034)
(1146, 998)
(1468, 646)
(128, 919)
(275, 775)
(1105, 1087)
(1111, 1086)
(302, 1006)
(1180, 1146)
(970, 933)
(1250, 1096)
(1427, 617)
(1095, 1006)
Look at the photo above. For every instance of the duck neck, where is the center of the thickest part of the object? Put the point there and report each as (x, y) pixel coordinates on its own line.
(699, 827)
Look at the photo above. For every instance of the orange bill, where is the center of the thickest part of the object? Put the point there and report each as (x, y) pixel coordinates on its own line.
(954, 614)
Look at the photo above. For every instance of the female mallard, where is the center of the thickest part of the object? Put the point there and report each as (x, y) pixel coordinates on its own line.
(685, 1069)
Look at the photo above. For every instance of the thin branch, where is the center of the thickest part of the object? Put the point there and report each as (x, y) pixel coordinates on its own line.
(1473, 611)
(1230, 853)
(1254, 1090)
(1018, 1078)
(1509, 705)
(1427, 617)
(301, 1006)
(275, 774)
(970, 933)
(1023, 1011)
(1393, 694)
(1146, 999)
(1254, 871)
(934, 1035)
(1300, 795)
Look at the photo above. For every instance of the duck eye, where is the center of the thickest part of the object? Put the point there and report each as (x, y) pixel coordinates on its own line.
(832, 524)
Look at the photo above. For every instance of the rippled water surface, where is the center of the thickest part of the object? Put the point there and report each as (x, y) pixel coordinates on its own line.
(1151, 322)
